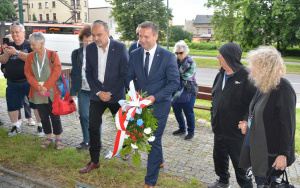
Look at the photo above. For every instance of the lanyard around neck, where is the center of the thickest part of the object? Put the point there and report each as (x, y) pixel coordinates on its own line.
(38, 65)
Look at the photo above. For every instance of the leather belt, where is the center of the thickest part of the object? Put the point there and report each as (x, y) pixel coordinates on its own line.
(17, 81)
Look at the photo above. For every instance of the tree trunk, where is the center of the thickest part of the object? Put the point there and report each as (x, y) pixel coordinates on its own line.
(278, 46)
(283, 53)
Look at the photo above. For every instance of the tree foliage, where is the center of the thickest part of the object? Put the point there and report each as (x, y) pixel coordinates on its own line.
(177, 33)
(129, 13)
(7, 10)
(257, 22)
(224, 19)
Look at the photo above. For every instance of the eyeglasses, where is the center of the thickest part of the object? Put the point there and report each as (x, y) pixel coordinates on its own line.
(177, 53)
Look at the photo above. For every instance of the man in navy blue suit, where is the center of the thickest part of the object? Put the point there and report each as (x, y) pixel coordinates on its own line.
(155, 71)
(106, 67)
(135, 44)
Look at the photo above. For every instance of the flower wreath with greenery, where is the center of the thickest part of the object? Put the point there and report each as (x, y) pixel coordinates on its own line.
(135, 123)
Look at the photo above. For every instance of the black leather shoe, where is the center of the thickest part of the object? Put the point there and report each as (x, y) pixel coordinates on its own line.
(83, 145)
(189, 137)
(178, 132)
(89, 167)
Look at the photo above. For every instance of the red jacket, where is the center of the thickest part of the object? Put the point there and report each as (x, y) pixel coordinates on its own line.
(56, 71)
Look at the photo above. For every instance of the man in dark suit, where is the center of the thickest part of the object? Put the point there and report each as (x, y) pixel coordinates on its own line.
(106, 67)
(155, 71)
(135, 44)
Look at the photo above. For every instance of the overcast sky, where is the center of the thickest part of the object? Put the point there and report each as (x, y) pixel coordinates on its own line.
(182, 9)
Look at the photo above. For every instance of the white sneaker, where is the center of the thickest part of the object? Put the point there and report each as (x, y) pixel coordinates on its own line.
(14, 131)
(40, 132)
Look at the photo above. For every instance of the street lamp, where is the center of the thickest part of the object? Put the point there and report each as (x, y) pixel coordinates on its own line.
(168, 24)
(21, 19)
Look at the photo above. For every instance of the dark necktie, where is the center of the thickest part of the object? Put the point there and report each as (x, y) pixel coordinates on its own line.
(146, 67)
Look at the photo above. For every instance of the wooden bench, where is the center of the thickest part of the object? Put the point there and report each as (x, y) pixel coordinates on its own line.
(204, 93)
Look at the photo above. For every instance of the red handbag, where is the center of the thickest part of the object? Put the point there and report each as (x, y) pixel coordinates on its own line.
(62, 106)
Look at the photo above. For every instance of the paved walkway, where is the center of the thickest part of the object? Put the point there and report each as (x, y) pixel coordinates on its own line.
(189, 159)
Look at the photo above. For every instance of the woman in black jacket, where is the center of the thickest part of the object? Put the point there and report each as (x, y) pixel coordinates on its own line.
(270, 130)
(79, 85)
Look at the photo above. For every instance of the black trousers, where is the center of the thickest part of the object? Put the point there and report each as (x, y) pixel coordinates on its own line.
(97, 109)
(223, 149)
(45, 110)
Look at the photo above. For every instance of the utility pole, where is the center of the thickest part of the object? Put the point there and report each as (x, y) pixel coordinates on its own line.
(21, 19)
(168, 24)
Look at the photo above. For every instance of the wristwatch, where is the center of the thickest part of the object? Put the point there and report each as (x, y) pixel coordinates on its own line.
(17, 53)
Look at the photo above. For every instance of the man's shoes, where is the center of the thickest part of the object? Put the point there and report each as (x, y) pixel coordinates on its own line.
(89, 167)
(83, 145)
(178, 132)
(217, 184)
(40, 132)
(149, 186)
(189, 137)
(127, 156)
(162, 165)
(14, 131)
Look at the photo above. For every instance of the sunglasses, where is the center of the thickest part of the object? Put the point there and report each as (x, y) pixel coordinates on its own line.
(177, 53)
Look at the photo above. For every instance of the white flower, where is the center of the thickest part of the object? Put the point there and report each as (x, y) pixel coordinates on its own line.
(147, 130)
(126, 136)
(151, 139)
(134, 146)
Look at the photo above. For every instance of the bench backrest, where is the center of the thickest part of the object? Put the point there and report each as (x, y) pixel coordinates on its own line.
(204, 92)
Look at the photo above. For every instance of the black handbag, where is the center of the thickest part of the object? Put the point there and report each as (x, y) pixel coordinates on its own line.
(283, 184)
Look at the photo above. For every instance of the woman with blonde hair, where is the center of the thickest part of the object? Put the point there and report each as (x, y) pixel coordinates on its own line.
(270, 131)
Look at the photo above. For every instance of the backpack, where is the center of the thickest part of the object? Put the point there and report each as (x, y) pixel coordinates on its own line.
(60, 82)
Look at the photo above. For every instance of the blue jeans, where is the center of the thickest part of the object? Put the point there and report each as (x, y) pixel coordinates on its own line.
(262, 180)
(188, 109)
(84, 109)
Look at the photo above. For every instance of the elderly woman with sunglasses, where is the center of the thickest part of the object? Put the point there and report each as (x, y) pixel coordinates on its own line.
(184, 98)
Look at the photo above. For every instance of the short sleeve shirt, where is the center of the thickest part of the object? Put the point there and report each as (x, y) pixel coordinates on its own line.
(14, 68)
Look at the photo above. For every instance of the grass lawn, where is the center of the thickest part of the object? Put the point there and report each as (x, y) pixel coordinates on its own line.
(23, 154)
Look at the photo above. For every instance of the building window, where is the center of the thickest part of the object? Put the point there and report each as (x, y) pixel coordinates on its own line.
(53, 4)
(85, 17)
(46, 5)
(85, 4)
(54, 16)
(28, 6)
(203, 31)
(78, 16)
(47, 17)
(209, 31)
(40, 5)
(72, 2)
(41, 17)
(78, 2)
(29, 17)
(31, 5)
(198, 31)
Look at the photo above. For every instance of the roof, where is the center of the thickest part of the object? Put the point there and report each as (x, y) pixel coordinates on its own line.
(202, 19)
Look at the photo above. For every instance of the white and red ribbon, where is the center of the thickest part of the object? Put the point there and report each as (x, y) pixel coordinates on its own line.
(135, 105)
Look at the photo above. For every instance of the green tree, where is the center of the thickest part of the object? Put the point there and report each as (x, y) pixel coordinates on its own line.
(224, 19)
(129, 13)
(270, 22)
(7, 10)
(177, 33)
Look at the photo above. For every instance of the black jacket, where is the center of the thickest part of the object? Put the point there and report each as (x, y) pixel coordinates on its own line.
(230, 105)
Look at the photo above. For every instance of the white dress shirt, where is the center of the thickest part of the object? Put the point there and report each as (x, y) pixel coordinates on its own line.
(151, 56)
(102, 59)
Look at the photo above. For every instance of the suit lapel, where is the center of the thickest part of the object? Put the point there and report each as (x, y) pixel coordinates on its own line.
(110, 58)
(155, 62)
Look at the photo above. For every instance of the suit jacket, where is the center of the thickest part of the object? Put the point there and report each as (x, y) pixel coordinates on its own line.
(134, 46)
(162, 81)
(116, 68)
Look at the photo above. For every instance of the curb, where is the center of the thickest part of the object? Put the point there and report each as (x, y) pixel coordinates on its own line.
(35, 181)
